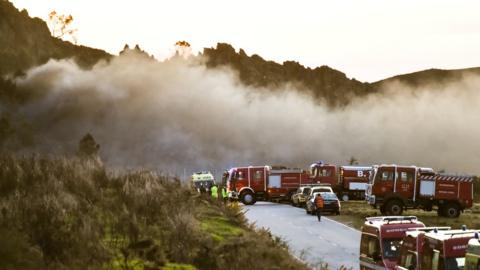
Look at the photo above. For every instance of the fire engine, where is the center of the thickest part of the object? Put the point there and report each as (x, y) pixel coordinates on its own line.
(411, 250)
(249, 184)
(394, 188)
(445, 250)
(347, 181)
(381, 239)
(472, 258)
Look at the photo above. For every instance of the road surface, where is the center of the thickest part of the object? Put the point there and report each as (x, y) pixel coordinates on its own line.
(313, 241)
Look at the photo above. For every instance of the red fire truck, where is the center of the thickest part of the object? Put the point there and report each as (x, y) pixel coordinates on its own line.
(249, 184)
(445, 250)
(411, 251)
(394, 188)
(381, 239)
(347, 181)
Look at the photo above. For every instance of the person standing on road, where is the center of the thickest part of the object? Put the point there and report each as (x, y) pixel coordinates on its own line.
(319, 206)
(214, 192)
(224, 194)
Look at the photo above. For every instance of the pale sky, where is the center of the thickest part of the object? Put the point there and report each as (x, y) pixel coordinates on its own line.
(367, 40)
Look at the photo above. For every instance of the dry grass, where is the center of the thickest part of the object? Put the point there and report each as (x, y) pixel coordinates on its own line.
(354, 213)
(61, 213)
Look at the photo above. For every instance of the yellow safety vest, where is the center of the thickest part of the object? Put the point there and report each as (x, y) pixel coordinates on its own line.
(214, 191)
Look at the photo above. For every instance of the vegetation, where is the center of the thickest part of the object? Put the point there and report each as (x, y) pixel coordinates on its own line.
(354, 213)
(59, 213)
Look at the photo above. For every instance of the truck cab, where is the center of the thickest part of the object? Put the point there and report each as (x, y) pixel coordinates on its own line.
(347, 181)
(252, 183)
(394, 188)
(445, 250)
(472, 257)
(381, 240)
(324, 173)
(411, 250)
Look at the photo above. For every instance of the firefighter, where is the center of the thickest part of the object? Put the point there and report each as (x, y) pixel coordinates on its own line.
(214, 192)
(224, 194)
(319, 206)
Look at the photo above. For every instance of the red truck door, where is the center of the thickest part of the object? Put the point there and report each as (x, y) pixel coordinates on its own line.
(405, 183)
(257, 178)
(384, 180)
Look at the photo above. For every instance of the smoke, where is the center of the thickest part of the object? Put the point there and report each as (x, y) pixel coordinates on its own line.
(178, 115)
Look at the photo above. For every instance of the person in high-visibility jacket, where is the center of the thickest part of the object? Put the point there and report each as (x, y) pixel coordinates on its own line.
(214, 191)
(224, 194)
(319, 206)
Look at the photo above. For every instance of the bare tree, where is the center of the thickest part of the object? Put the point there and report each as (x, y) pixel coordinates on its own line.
(60, 25)
(183, 49)
(353, 161)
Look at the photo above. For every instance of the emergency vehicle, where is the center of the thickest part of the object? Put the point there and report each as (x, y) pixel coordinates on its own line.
(472, 257)
(411, 250)
(347, 181)
(204, 179)
(394, 188)
(381, 239)
(445, 250)
(249, 184)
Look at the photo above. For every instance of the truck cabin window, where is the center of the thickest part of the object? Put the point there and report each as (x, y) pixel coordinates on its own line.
(391, 248)
(407, 176)
(385, 176)
(239, 176)
(325, 172)
(306, 191)
(258, 175)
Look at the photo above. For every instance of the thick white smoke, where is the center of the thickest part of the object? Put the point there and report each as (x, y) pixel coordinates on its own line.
(178, 115)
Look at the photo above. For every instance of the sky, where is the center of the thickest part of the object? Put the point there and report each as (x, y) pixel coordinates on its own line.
(367, 40)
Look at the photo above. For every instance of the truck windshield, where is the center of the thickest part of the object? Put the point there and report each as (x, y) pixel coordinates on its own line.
(391, 248)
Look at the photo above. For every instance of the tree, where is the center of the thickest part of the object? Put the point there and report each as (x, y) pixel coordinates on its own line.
(60, 25)
(183, 49)
(88, 147)
(353, 161)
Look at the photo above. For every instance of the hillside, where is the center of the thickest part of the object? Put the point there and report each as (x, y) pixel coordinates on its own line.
(429, 76)
(27, 42)
(323, 82)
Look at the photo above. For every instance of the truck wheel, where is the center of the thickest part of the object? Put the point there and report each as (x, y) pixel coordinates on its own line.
(248, 198)
(451, 210)
(394, 207)
(345, 197)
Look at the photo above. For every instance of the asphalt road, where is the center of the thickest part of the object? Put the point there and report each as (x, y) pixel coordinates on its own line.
(313, 241)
